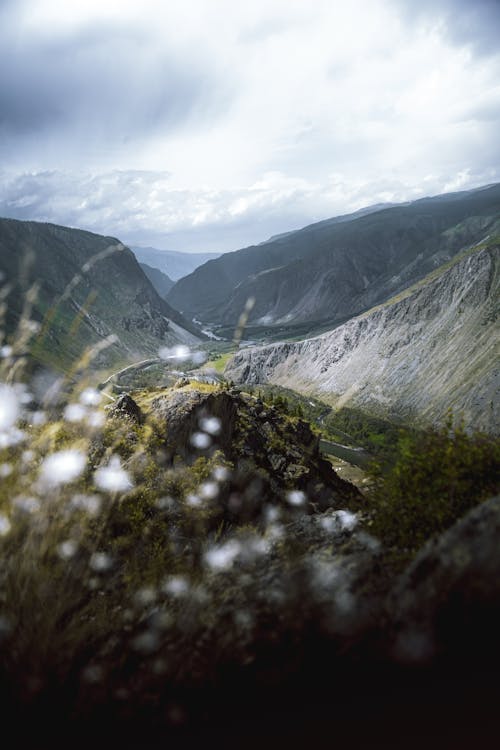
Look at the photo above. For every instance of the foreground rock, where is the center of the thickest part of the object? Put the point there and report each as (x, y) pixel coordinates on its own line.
(448, 600)
(274, 456)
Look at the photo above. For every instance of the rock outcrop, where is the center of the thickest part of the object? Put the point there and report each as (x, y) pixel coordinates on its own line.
(277, 458)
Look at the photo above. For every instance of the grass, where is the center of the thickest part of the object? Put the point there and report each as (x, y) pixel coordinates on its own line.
(219, 362)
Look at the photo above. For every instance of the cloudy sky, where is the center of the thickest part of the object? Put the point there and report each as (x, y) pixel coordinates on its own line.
(213, 124)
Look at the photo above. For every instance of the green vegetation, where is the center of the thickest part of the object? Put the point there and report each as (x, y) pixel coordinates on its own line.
(219, 361)
(436, 477)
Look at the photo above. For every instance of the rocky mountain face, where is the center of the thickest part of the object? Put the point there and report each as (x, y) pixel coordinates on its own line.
(170, 262)
(161, 282)
(330, 271)
(88, 288)
(433, 348)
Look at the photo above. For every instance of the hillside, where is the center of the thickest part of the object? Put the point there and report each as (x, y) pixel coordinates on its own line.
(335, 269)
(89, 287)
(434, 348)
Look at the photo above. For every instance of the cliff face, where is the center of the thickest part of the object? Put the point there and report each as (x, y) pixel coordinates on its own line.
(434, 348)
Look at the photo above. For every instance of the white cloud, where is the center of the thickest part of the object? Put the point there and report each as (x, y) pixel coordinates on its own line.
(202, 125)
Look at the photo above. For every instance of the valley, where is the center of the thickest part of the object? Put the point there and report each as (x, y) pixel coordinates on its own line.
(199, 507)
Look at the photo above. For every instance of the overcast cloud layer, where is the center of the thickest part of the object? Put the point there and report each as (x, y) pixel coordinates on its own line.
(212, 124)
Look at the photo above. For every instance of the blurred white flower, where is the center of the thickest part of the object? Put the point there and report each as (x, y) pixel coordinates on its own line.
(5, 470)
(75, 413)
(113, 477)
(9, 407)
(62, 467)
(90, 397)
(208, 490)
(193, 500)
(347, 520)
(38, 418)
(212, 425)
(200, 440)
(220, 473)
(296, 497)
(100, 561)
(67, 549)
(179, 353)
(223, 556)
(176, 586)
(5, 525)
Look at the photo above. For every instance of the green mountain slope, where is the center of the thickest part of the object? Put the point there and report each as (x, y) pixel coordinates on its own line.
(89, 287)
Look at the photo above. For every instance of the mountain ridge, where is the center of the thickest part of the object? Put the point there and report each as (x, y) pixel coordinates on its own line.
(334, 270)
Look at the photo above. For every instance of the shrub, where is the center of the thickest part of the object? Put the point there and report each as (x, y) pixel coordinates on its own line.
(438, 475)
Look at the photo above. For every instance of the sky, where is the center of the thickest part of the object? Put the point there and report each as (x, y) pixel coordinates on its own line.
(209, 125)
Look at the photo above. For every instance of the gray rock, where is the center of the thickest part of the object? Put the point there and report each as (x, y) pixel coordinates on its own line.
(449, 597)
(125, 406)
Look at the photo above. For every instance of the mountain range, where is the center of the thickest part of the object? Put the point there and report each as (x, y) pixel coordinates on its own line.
(88, 287)
(330, 271)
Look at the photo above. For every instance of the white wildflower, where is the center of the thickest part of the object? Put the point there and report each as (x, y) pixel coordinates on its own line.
(90, 397)
(5, 525)
(176, 586)
(296, 497)
(67, 549)
(200, 440)
(223, 556)
(113, 478)
(74, 413)
(346, 519)
(62, 467)
(10, 408)
(208, 490)
(100, 561)
(220, 473)
(212, 425)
